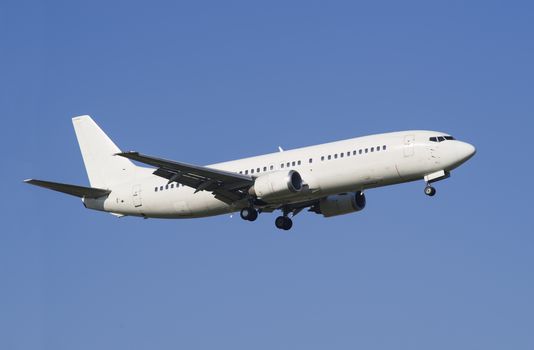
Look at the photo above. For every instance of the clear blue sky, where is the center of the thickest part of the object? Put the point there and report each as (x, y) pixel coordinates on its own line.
(216, 81)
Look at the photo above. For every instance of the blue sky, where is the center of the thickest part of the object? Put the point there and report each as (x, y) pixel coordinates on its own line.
(214, 81)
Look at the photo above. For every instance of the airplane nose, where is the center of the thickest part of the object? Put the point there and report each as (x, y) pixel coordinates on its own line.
(465, 151)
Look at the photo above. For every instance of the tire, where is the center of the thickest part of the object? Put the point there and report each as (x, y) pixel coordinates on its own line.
(430, 191)
(249, 214)
(283, 223)
(288, 223)
(253, 215)
(279, 222)
(244, 213)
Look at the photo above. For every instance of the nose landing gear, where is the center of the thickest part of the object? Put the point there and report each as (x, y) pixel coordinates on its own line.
(433, 177)
(430, 191)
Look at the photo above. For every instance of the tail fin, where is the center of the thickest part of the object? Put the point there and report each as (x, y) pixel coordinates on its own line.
(103, 168)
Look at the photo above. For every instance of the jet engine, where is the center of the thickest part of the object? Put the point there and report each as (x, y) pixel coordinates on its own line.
(276, 185)
(340, 204)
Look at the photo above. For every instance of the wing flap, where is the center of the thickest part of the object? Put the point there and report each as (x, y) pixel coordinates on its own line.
(74, 190)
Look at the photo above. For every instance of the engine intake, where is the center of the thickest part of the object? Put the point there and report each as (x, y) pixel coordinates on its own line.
(341, 204)
(276, 185)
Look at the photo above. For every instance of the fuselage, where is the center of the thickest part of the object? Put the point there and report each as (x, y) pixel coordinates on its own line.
(350, 165)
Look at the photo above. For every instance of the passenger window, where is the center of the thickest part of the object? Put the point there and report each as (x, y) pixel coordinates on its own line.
(367, 150)
(293, 164)
(252, 171)
(354, 153)
(360, 151)
(310, 161)
(378, 149)
(372, 149)
(282, 165)
(167, 187)
(348, 154)
(264, 168)
(341, 155)
(329, 157)
(172, 185)
(246, 172)
(288, 164)
(384, 147)
(271, 167)
(322, 158)
(335, 156)
(161, 188)
(299, 162)
(156, 189)
(258, 170)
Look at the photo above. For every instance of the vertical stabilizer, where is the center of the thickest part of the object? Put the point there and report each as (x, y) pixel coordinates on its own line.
(103, 168)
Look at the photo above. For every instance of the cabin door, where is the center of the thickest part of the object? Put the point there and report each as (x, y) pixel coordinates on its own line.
(409, 141)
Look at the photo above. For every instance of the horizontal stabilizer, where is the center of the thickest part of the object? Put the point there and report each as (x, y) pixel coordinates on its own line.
(78, 191)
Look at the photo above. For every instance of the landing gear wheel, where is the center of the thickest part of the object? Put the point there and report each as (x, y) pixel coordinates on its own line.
(249, 214)
(288, 224)
(283, 223)
(430, 191)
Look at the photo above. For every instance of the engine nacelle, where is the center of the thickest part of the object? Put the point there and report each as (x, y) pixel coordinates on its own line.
(276, 185)
(340, 204)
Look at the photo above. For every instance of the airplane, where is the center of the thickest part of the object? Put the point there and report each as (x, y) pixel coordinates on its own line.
(327, 179)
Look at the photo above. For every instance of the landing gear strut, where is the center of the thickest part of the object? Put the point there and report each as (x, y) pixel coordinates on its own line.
(429, 190)
(249, 214)
(283, 222)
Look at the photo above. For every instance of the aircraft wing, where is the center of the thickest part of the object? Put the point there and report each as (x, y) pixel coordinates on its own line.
(227, 186)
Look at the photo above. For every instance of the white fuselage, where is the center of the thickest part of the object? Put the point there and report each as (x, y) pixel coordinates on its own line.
(331, 168)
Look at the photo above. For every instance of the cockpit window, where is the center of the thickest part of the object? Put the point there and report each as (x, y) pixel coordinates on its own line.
(441, 138)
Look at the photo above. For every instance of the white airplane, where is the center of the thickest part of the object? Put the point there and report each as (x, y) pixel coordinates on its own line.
(329, 179)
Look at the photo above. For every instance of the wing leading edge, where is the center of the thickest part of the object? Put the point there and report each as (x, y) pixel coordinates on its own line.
(227, 186)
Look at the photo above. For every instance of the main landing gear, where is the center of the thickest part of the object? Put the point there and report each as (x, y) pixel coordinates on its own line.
(283, 222)
(249, 214)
